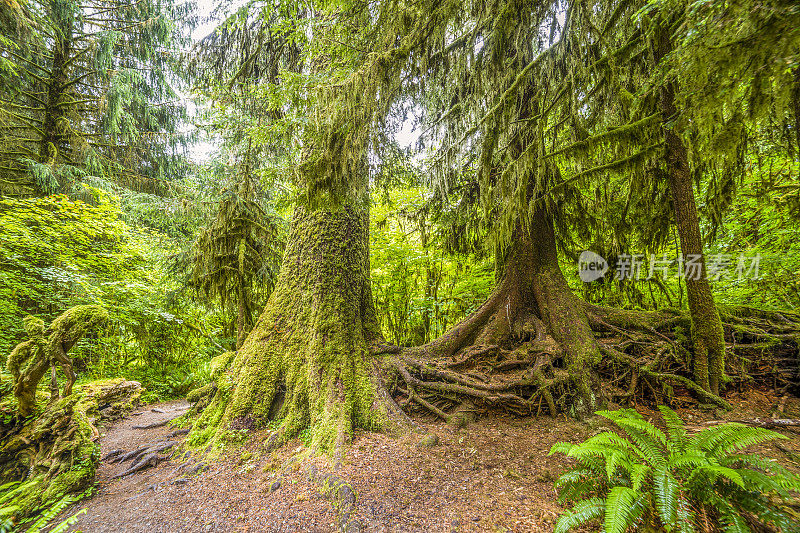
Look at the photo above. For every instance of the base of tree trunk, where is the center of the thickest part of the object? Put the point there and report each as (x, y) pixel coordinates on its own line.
(306, 365)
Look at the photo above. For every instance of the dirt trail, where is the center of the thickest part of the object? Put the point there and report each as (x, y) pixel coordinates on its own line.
(494, 475)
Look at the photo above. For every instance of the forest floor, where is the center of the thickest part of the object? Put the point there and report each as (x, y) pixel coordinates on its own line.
(494, 475)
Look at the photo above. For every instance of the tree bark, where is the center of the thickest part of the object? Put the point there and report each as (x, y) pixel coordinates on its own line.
(796, 99)
(306, 362)
(707, 333)
(241, 309)
(53, 130)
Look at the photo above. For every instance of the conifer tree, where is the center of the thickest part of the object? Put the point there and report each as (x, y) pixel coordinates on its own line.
(90, 91)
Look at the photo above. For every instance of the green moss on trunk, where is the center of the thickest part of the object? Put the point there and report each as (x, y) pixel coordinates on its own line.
(707, 332)
(306, 361)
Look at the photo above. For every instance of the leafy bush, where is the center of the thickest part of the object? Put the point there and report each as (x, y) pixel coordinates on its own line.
(57, 252)
(649, 480)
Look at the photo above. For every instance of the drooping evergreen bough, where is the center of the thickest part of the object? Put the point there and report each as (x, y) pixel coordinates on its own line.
(88, 90)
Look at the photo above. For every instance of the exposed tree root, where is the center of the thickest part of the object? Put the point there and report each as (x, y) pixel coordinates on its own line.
(771, 423)
(646, 357)
(141, 458)
(146, 461)
(342, 496)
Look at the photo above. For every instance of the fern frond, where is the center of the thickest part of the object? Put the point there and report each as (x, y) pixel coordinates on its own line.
(752, 460)
(619, 509)
(610, 438)
(713, 472)
(561, 447)
(577, 484)
(744, 437)
(612, 463)
(8, 511)
(676, 431)
(52, 512)
(583, 512)
(15, 489)
(721, 440)
(686, 519)
(666, 488)
(650, 440)
(591, 449)
(70, 521)
(572, 476)
(760, 482)
(640, 507)
(647, 473)
(730, 519)
(690, 460)
(630, 418)
(9, 490)
(707, 439)
(639, 474)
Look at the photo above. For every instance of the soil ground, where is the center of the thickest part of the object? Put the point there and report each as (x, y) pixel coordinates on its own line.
(494, 475)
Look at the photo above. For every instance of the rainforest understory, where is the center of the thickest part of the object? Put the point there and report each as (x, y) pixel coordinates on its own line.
(317, 362)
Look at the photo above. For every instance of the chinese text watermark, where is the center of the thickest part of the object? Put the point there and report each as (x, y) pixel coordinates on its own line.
(592, 266)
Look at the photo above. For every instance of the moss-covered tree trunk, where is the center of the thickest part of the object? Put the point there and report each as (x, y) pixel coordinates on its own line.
(796, 102)
(306, 362)
(241, 303)
(531, 303)
(707, 332)
(53, 130)
(532, 298)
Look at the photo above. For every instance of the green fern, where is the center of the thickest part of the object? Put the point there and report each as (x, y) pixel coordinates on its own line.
(6, 525)
(581, 513)
(70, 521)
(648, 479)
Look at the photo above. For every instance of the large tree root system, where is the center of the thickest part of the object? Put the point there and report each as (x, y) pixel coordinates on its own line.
(317, 361)
(646, 357)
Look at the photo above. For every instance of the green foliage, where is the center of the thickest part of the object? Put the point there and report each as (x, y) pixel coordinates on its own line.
(420, 290)
(58, 253)
(646, 479)
(69, 521)
(760, 222)
(43, 521)
(91, 94)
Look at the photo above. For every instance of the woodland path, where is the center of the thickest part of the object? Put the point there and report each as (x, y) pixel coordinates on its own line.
(494, 475)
